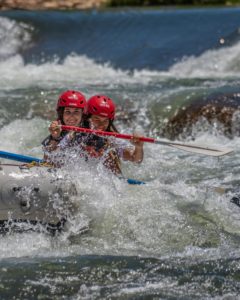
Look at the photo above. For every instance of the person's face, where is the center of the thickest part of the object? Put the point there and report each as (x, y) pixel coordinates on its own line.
(72, 116)
(98, 122)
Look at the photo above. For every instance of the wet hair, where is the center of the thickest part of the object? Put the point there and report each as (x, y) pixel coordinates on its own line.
(112, 127)
(60, 112)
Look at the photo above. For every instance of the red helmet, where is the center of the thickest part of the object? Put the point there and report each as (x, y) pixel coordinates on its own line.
(100, 105)
(71, 99)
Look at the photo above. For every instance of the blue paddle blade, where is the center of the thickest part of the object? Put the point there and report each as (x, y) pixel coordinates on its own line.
(134, 181)
(19, 157)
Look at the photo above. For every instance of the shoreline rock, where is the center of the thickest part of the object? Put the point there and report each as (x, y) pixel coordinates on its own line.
(51, 4)
(219, 111)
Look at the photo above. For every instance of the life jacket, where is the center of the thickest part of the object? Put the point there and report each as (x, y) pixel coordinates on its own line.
(91, 146)
(112, 162)
(65, 140)
(101, 148)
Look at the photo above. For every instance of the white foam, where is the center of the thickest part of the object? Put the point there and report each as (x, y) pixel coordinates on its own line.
(23, 136)
(81, 70)
(152, 219)
(13, 36)
(75, 70)
(218, 63)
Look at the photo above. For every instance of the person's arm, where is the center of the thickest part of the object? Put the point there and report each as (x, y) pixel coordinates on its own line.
(55, 130)
(51, 142)
(136, 154)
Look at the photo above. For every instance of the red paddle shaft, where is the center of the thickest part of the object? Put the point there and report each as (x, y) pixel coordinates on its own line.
(106, 133)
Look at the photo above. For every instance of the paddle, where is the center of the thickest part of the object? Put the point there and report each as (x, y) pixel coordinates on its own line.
(19, 157)
(134, 181)
(30, 159)
(186, 147)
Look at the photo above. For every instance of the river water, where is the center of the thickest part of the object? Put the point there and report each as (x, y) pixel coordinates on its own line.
(172, 238)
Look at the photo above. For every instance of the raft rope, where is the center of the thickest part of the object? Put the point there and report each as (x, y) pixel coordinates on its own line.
(30, 165)
(38, 164)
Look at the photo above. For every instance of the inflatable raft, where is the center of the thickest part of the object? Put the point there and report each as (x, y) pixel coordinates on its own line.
(33, 196)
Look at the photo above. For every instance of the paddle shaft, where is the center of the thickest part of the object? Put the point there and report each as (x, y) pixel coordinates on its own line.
(107, 133)
(19, 157)
(185, 147)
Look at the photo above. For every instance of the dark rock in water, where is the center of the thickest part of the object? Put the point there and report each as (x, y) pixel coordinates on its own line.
(236, 200)
(217, 113)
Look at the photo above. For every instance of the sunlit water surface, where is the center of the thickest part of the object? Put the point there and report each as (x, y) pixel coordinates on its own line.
(174, 237)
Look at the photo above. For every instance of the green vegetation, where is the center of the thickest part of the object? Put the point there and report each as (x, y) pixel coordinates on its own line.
(171, 2)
